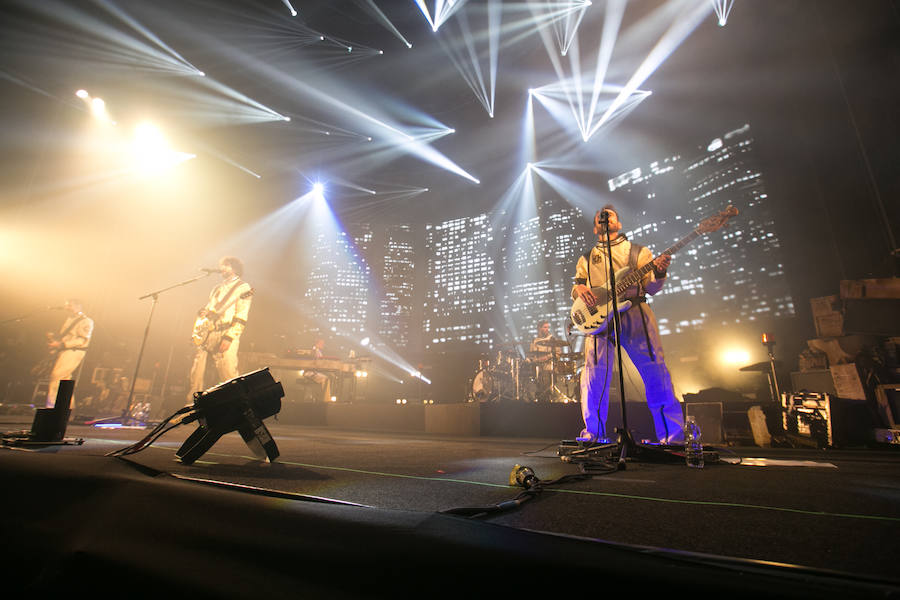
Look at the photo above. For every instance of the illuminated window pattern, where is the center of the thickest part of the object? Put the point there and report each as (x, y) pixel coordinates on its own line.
(398, 277)
(735, 274)
(338, 284)
(460, 274)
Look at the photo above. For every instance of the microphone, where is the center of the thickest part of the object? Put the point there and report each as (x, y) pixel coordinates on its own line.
(208, 270)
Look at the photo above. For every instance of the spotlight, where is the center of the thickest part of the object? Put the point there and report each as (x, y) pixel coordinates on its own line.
(735, 356)
(237, 405)
(82, 94)
(364, 342)
(98, 107)
(318, 188)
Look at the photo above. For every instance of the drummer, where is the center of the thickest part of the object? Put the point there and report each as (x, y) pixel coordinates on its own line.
(543, 351)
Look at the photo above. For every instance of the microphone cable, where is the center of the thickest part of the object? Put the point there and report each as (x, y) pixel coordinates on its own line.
(521, 476)
(158, 431)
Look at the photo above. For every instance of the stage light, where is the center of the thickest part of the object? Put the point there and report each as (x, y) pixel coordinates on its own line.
(723, 9)
(82, 94)
(151, 151)
(98, 107)
(237, 405)
(735, 356)
(318, 188)
(364, 342)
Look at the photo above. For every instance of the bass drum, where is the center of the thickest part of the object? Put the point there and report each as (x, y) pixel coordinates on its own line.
(483, 387)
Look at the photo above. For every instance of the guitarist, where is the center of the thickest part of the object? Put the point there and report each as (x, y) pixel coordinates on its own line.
(69, 346)
(640, 335)
(226, 310)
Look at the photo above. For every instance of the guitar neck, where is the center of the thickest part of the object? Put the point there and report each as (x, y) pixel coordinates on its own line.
(637, 275)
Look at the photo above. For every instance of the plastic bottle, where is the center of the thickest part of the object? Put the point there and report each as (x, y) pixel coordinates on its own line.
(693, 446)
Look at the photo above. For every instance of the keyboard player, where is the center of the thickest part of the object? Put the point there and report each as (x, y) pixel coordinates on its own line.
(318, 377)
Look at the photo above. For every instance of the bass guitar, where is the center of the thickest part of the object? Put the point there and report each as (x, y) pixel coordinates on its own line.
(208, 320)
(592, 318)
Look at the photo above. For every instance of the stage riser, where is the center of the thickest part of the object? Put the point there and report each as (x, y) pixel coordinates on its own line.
(555, 420)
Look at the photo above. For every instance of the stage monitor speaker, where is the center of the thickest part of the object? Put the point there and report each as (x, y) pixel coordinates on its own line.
(49, 424)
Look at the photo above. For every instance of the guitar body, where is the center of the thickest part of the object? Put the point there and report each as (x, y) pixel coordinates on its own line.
(205, 332)
(204, 326)
(593, 319)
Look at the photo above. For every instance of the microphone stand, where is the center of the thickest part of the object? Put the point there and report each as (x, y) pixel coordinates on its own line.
(627, 445)
(126, 414)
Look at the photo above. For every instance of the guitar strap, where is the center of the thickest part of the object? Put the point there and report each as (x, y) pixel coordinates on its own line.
(633, 263)
(633, 255)
(225, 298)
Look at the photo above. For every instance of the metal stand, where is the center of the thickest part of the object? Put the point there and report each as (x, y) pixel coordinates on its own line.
(126, 417)
(769, 343)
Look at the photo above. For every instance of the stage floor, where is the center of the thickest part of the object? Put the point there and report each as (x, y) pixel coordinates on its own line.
(825, 509)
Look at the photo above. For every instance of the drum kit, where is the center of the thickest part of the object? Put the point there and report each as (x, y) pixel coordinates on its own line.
(538, 376)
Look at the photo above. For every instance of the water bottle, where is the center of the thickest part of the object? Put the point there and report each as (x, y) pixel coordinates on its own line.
(693, 446)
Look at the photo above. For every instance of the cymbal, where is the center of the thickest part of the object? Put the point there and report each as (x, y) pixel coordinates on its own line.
(553, 343)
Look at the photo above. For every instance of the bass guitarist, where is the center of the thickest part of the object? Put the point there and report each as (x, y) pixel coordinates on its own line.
(640, 335)
(219, 325)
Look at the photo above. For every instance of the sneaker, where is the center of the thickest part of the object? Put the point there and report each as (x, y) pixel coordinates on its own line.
(586, 437)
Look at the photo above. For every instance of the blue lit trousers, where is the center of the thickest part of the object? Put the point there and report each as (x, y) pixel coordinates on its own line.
(640, 340)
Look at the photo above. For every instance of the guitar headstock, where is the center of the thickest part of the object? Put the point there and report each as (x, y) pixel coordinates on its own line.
(716, 222)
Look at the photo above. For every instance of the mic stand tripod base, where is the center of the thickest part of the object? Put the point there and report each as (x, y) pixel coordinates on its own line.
(625, 448)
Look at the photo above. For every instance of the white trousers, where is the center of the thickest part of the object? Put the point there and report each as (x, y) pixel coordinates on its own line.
(226, 366)
(640, 340)
(64, 367)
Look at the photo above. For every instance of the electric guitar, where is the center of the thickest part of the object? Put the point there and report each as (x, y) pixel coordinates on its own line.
(592, 318)
(207, 320)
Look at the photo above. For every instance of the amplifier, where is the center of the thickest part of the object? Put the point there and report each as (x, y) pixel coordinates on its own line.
(825, 420)
(887, 436)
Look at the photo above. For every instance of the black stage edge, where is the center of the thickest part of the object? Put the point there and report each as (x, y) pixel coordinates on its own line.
(466, 419)
(101, 526)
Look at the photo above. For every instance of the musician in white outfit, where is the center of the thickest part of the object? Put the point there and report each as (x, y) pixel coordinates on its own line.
(322, 379)
(71, 344)
(227, 311)
(640, 335)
